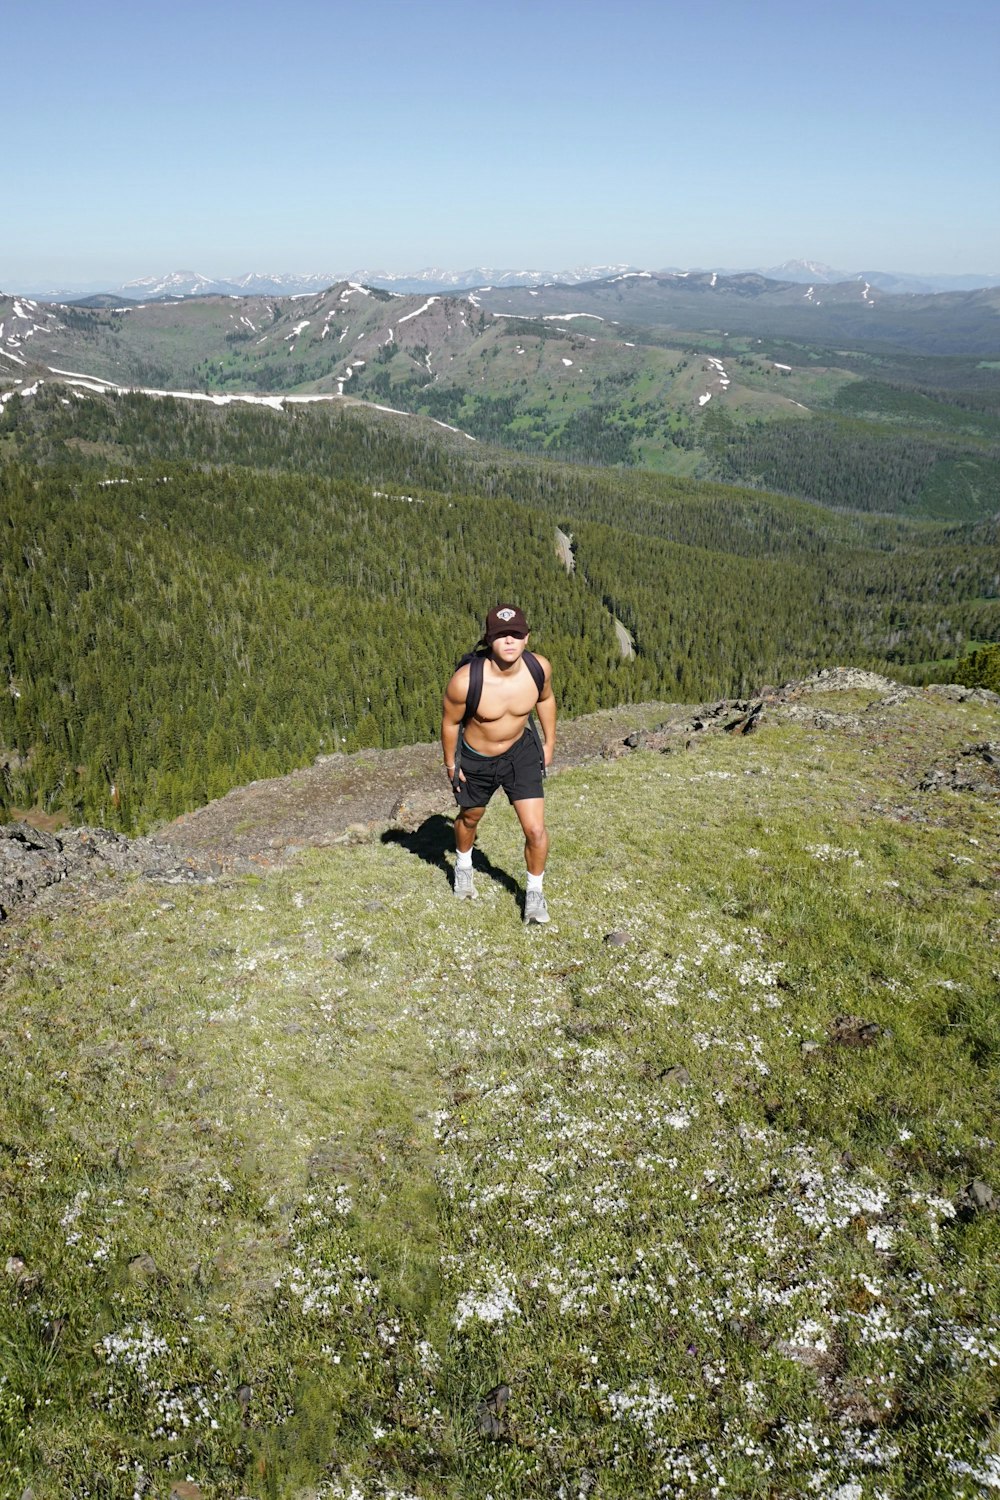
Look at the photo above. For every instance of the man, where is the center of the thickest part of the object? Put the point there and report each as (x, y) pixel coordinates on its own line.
(494, 746)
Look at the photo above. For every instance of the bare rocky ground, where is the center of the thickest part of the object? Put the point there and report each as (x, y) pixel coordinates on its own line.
(344, 798)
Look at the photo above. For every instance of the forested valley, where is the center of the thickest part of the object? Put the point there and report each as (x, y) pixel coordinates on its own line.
(194, 598)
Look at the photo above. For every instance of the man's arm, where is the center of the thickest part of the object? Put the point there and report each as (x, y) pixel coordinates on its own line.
(451, 718)
(546, 711)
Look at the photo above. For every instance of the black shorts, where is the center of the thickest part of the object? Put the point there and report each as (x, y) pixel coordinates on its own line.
(518, 770)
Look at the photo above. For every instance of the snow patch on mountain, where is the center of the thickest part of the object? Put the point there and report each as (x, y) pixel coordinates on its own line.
(416, 313)
(567, 317)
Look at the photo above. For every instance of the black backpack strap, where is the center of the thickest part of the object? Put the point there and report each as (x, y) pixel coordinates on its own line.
(534, 666)
(475, 692)
(537, 671)
(474, 661)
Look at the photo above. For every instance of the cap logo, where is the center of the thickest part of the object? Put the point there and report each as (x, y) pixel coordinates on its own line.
(505, 614)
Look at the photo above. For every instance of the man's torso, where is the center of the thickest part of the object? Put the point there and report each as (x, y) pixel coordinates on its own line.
(499, 720)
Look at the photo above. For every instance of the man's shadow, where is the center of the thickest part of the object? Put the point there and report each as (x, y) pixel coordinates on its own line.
(434, 839)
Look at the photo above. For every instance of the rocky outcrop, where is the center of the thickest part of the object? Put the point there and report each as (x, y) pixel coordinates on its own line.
(731, 715)
(976, 770)
(956, 693)
(792, 701)
(32, 862)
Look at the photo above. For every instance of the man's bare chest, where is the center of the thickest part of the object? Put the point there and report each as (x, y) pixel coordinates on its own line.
(502, 698)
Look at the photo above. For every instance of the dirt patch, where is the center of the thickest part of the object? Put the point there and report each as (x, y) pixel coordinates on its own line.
(36, 818)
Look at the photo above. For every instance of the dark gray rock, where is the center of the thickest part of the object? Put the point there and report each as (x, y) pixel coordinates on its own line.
(747, 719)
(977, 1197)
(852, 1031)
(143, 1268)
(977, 770)
(490, 1412)
(678, 1074)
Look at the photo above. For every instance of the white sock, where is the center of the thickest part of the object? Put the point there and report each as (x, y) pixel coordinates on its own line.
(463, 861)
(535, 881)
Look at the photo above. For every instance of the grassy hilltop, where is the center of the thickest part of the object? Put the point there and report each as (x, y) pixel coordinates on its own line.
(322, 1184)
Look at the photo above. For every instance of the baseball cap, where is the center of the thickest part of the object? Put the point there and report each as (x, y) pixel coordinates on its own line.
(504, 619)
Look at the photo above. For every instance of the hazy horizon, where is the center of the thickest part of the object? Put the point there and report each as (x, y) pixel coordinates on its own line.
(38, 286)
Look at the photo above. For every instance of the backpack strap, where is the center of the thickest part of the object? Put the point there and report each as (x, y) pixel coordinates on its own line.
(537, 671)
(472, 697)
(534, 666)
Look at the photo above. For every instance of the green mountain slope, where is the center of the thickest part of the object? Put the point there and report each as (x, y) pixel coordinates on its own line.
(325, 1185)
(756, 402)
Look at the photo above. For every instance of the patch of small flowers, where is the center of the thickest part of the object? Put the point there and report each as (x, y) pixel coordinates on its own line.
(325, 1277)
(493, 1300)
(774, 1203)
(832, 854)
(983, 1469)
(151, 1384)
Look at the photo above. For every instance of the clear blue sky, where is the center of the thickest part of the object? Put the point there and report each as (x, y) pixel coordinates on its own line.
(307, 136)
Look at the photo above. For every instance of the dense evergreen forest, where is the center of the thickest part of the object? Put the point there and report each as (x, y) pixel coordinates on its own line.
(194, 598)
(878, 468)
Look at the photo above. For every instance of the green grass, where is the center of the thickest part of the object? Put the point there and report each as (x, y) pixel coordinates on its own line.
(318, 1160)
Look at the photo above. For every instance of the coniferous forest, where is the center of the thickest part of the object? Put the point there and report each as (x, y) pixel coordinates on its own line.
(193, 598)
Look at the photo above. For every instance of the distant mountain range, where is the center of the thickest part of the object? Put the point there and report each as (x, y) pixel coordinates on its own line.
(436, 279)
(389, 345)
(291, 284)
(852, 313)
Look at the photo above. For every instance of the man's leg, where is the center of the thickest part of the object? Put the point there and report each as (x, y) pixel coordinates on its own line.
(531, 815)
(466, 825)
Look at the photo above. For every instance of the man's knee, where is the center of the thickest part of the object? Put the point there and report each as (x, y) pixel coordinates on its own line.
(534, 829)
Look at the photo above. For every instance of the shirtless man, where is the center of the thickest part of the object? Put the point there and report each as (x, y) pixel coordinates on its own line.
(499, 750)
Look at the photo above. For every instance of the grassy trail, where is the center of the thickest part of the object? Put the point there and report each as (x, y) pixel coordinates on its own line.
(323, 1184)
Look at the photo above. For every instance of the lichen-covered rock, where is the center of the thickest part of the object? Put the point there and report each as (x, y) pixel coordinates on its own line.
(33, 863)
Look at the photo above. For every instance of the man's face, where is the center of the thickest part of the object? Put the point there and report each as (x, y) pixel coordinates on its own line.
(509, 648)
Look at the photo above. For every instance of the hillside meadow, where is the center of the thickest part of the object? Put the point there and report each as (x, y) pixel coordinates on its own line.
(322, 1184)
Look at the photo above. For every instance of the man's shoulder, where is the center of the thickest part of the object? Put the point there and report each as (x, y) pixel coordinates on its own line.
(458, 683)
(544, 663)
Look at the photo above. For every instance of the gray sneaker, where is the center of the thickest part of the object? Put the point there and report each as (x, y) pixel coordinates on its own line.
(464, 888)
(535, 909)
